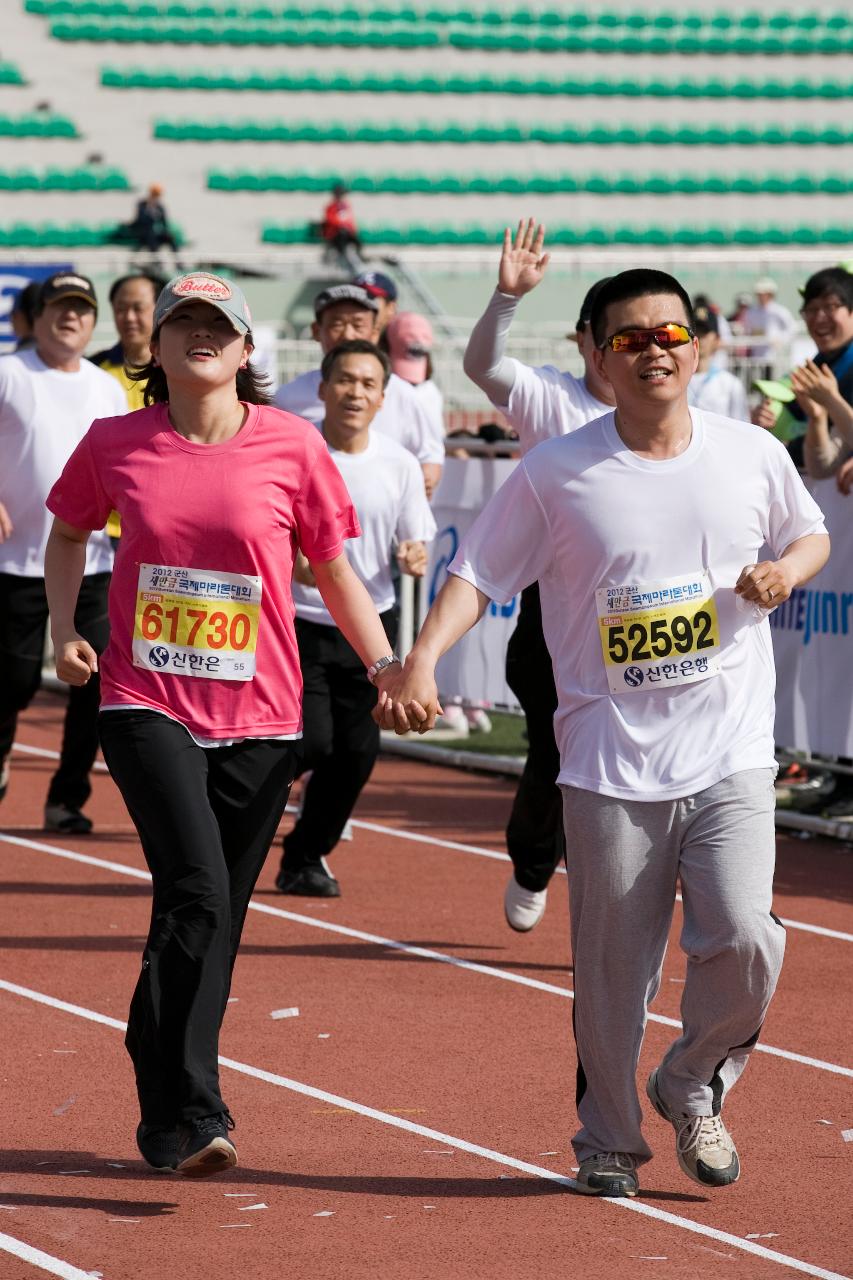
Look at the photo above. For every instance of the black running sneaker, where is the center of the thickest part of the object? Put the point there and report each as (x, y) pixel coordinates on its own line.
(308, 882)
(158, 1146)
(204, 1147)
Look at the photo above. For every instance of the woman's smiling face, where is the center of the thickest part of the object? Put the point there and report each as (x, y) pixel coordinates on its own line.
(198, 344)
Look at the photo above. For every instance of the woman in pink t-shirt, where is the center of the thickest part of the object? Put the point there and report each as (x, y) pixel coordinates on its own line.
(200, 684)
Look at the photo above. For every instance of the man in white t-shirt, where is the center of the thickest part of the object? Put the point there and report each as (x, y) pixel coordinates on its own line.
(712, 387)
(540, 404)
(768, 318)
(49, 397)
(346, 311)
(645, 539)
(341, 741)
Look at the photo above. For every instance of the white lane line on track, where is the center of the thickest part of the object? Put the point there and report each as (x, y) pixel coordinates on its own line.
(495, 855)
(424, 953)
(45, 1261)
(461, 1144)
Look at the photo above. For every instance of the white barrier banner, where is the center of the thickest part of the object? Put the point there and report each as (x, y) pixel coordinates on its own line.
(813, 643)
(474, 668)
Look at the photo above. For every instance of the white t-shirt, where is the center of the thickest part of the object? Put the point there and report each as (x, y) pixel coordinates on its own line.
(545, 403)
(431, 402)
(386, 487)
(719, 391)
(773, 321)
(401, 416)
(584, 513)
(44, 414)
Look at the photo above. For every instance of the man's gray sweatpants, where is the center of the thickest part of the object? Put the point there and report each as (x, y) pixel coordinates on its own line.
(624, 859)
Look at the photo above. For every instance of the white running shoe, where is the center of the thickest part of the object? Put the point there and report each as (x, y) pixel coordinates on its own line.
(523, 908)
(703, 1145)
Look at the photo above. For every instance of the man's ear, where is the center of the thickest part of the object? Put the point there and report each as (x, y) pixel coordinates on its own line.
(598, 362)
(321, 392)
(315, 331)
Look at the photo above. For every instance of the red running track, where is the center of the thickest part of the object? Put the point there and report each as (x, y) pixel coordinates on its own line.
(413, 1120)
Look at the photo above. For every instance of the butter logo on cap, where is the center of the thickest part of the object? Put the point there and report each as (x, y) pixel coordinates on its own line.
(202, 286)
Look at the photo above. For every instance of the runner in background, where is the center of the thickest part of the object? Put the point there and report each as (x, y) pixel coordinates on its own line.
(410, 342)
(384, 290)
(200, 717)
(346, 311)
(713, 387)
(341, 741)
(132, 299)
(48, 397)
(646, 541)
(540, 404)
(22, 315)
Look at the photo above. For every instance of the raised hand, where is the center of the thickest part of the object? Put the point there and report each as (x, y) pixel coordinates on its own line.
(522, 261)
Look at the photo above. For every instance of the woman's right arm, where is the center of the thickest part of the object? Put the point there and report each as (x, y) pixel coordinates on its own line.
(64, 564)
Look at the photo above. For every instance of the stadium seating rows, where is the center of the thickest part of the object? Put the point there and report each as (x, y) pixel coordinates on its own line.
(533, 183)
(598, 135)
(10, 74)
(345, 82)
(751, 234)
(402, 36)
(722, 20)
(41, 125)
(72, 235)
(82, 179)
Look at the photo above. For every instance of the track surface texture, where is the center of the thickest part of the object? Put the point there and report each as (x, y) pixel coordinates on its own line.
(412, 1119)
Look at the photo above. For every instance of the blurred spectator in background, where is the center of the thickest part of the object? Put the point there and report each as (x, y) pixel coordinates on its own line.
(711, 387)
(702, 302)
(824, 386)
(22, 315)
(767, 318)
(338, 227)
(410, 341)
(384, 290)
(150, 228)
(132, 299)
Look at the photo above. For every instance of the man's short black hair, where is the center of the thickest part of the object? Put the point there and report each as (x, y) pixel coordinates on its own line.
(641, 282)
(354, 347)
(157, 283)
(830, 280)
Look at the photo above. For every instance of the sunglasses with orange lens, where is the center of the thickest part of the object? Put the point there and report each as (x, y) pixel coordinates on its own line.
(665, 336)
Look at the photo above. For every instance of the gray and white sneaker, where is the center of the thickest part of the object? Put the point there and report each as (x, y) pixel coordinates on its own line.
(523, 908)
(703, 1145)
(608, 1173)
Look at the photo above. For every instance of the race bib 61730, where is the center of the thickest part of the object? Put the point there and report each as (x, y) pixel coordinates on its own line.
(196, 622)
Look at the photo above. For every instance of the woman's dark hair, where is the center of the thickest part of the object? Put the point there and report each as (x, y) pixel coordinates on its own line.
(355, 347)
(252, 385)
(642, 282)
(831, 280)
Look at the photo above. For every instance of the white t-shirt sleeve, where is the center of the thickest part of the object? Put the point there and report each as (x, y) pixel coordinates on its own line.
(792, 511)
(415, 521)
(509, 545)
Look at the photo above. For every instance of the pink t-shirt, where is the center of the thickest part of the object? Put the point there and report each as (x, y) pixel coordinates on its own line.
(202, 574)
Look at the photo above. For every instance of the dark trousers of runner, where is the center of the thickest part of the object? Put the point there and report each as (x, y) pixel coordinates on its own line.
(206, 818)
(340, 738)
(534, 833)
(23, 621)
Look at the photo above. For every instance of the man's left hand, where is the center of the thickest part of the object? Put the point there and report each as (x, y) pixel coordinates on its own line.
(412, 558)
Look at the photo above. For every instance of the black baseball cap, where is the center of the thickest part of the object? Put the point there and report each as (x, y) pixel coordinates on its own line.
(67, 285)
(589, 301)
(343, 293)
(705, 321)
(378, 285)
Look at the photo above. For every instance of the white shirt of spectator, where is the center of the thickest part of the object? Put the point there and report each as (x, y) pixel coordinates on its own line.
(44, 414)
(585, 512)
(719, 391)
(387, 490)
(545, 403)
(401, 416)
(773, 321)
(431, 402)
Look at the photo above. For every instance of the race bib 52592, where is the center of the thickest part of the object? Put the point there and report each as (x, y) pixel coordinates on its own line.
(656, 635)
(196, 622)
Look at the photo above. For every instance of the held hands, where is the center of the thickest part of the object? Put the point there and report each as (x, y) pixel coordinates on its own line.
(412, 558)
(522, 261)
(816, 383)
(768, 584)
(408, 699)
(5, 524)
(76, 660)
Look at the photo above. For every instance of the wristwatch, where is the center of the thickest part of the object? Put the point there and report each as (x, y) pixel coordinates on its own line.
(380, 664)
